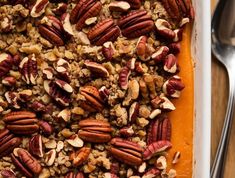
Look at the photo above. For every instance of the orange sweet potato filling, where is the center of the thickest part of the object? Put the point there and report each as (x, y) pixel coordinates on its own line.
(182, 118)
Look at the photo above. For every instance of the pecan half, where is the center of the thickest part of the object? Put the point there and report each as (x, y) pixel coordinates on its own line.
(6, 63)
(79, 157)
(85, 9)
(21, 122)
(52, 29)
(97, 68)
(126, 151)
(96, 131)
(59, 90)
(177, 9)
(8, 142)
(93, 102)
(156, 148)
(104, 31)
(29, 70)
(136, 23)
(160, 129)
(35, 146)
(74, 175)
(26, 163)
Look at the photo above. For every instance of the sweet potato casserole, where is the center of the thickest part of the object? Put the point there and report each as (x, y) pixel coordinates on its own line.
(89, 88)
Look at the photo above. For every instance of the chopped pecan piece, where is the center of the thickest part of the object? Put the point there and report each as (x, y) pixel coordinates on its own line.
(170, 64)
(124, 77)
(108, 50)
(39, 8)
(104, 31)
(52, 29)
(74, 175)
(93, 102)
(8, 173)
(79, 157)
(156, 148)
(8, 142)
(135, 4)
(136, 24)
(153, 172)
(97, 68)
(35, 146)
(6, 63)
(59, 90)
(29, 70)
(95, 131)
(163, 28)
(160, 129)
(21, 122)
(126, 151)
(84, 10)
(160, 53)
(119, 6)
(26, 163)
(143, 50)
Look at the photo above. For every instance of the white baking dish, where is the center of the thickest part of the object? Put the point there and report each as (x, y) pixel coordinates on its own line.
(201, 50)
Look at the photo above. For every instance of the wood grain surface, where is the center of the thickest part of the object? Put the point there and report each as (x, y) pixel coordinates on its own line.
(219, 104)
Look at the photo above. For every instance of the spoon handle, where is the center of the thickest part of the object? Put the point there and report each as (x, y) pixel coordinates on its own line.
(217, 169)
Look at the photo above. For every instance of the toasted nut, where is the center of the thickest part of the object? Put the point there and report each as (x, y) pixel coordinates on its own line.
(108, 50)
(184, 21)
(110, 175)
(48, 73)
(160, 53)
(142, 167)
(119, 6)
(8, 173)
(161, 163)
(45, 127)
(124, 77)
(178, 35)
(51, 144)
(65, 115)
(176, 157)
(167, 104)
(143, 50)
(80, 156)
(170, 64)
(9, 81)
(152, 173)
(131, 63)
(174, 48)
(173, 87)
(75, 141)
(6, 25)
(97, 68)
(164, 29)
(127, 131)
(155, 113)
(39, 8)
(133, 112)
(35, 146)
(66, 24)
(91, 20)
(50, 157)
(60, 146)
(172, 173)
(133, 92)
(60, 9)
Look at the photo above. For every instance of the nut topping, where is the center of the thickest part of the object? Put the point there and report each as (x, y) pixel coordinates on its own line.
(97, 68)
(104, 31)
(39, 8)
(126, 151)
(35, 146)
(6, 63)
(21, 122)
(85, 9)
(80, 156)
(119, 6)
(135, 24)
(95, 131)
(74, 175)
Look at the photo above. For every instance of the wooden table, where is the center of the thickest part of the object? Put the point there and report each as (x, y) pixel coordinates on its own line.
(219, 104)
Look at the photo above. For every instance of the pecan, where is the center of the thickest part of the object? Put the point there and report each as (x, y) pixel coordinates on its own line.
(21, 122)
(161, 163)
(174, 48)
(143, 50)
(135, 4)
(108, 50)
(9, 81)
(149, 80)
(59, 90)
(136, 23)
(29, 70)
(45, 127)
(132, 93)
(13, 99)
(160, 53)
(173, 87)
(6, 63)
(26, 163)
(62, 68)
(96, 131)
(104, 31)
(74, 175)
(119, 6)
(50, 157)
(126, 151)
(8, 173)
(110, 175)
(8, 142)
(35, 146)
(38, 106)
(153, 172)
(6, 25)
(123, 77)
(178, 35)
(97, 68)
(170, 64)
(67, 25)
(39, 8)
(163, 28)
(131, 64)
(60, 8)
(52, 29)
(133, 112)
(126, 131)
(83, 10)
(75, 141)
(104, 92)
(114, 169)
(79, 157)
(177, 9)
(156, 148)
(93, 102)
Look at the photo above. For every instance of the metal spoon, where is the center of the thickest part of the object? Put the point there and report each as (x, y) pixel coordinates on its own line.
(223, 47)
